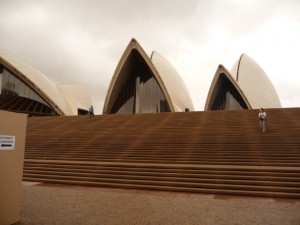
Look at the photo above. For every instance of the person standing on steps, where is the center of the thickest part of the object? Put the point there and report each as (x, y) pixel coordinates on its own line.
(262, 119)
(91, 112)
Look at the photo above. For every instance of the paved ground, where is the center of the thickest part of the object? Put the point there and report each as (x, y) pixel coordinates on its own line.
(71, 205)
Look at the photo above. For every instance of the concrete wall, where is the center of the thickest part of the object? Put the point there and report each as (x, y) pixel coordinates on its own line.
(12, 145)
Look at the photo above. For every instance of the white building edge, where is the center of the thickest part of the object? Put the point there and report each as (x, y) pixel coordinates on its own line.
(166, 78)
(64, 99)
(255, 83)
(247, 87)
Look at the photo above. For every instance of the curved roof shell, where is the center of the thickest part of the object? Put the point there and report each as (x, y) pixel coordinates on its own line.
(255, 83)
(253, 86)
(173, 82)
(216, 84)
(166, 76)
(61, 102)
(77, 96)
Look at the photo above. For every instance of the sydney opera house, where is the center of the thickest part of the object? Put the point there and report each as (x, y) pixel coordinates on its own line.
(143, 84)
(24, 89)
(246, 86)
(140, 84)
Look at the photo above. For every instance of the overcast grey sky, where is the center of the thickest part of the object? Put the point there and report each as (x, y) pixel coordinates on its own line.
(81, 41)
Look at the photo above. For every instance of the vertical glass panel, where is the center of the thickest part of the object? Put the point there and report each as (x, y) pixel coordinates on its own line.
(11, 84)
(5, 83)
(1, 72)
(30, 94)
(26, 93)
(152, 95)
(137, 95)
(125, 100)
(1, 83)
(17, 86)
(22, 89)
(227, 98)
(141, 96)
(141, 93)
(21, 94)
(36, 97)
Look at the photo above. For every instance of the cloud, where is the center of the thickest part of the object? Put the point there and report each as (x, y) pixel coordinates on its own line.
(82, 41)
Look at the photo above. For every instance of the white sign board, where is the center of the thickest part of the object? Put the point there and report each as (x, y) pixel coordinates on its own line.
(7, 142)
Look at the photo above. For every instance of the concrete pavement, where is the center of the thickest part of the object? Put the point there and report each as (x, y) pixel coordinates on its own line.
(76, 205)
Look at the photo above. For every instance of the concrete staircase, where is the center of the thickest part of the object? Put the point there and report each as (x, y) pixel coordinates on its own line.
(216, 152)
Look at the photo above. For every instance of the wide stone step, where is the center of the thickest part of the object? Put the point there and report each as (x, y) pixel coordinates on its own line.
(292, 162)
(199, 174)
(165, 168)
(217, 152)
(168, 177)
(171, 187)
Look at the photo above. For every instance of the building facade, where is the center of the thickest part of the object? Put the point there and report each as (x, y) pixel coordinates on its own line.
(246, 86)
(24, 89)
(143, 84)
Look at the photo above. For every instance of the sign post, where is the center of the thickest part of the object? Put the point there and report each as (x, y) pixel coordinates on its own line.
(7, 142)
(12, 145)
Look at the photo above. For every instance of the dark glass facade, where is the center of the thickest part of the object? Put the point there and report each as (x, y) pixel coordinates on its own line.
(141, 94)
(227, 97)
(16, 96)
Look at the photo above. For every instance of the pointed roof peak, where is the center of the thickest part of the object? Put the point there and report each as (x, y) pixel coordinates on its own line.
(222, 75)
(133, 40)
(249, 74)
